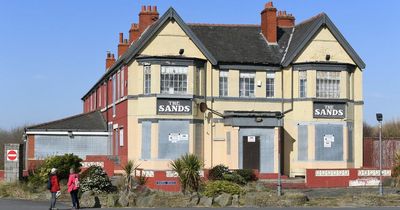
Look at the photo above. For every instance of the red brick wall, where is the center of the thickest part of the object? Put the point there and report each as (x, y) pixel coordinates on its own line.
(109, 165)
(31, 146)
(1, 175)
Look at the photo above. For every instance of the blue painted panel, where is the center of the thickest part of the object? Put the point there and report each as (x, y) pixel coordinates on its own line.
(228, 143)
(146, 140)
(350, 142)
(266, 147)
(334, 152)
(172, 149)
(302, 153)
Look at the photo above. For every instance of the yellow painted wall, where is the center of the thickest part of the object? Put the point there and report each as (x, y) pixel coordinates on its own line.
(169, 41)
(172, 38)
(324, 43)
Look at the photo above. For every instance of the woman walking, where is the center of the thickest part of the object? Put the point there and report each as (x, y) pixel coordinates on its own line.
(54, 187)
(73, 188)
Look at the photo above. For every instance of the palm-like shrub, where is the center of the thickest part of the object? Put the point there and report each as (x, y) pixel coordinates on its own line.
(188, 168)
(129, 169)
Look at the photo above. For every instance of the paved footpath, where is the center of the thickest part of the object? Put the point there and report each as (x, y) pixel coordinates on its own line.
(6, 204)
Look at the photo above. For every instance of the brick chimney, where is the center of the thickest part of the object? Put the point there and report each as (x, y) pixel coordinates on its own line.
(285, 20)
(147, 17)
(268, 23)
(134, 33)
(110, 60)
(123, 45)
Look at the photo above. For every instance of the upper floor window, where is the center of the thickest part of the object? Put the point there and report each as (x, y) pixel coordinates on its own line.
(223, 83)
(302, 84)
(122, 83)
(328, 84)
(270, 85)
(246, 84)
(174, 79)
(147, 79)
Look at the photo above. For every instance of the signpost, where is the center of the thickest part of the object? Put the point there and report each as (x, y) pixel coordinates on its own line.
(12, 163)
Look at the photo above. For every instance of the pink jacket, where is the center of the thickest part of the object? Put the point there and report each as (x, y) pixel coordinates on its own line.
(71, 182)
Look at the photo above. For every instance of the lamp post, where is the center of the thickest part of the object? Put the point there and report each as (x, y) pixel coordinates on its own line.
(379, 118)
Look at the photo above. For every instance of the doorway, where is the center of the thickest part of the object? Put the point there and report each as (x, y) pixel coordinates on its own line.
(251, 152)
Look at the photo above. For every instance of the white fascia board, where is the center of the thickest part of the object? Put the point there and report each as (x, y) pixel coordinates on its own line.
(66, 133)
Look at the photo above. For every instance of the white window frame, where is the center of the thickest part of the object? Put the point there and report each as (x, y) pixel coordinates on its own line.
(302, 84)
(223, 83)
(122, 94)
(100, 95)
(118, 85)
(174, 75)
(328, 84)
(114, 91)
(147, 79)
(270, 85)
(121, 136)
(246, 81)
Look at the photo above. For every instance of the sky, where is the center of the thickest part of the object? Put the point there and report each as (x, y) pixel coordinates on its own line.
(53, 52)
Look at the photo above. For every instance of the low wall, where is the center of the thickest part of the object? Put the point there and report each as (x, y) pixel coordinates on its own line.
(329, 178)
(99, 160)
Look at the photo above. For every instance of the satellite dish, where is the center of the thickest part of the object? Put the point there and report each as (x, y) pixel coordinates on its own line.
(203, 107)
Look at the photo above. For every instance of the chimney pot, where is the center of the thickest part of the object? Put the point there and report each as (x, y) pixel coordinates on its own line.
(147, 17)
(110, 60)
(269, 5)
(285, 20)
(121, 37)
(143, 8)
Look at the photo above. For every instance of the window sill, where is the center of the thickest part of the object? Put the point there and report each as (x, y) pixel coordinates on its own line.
(184, 96)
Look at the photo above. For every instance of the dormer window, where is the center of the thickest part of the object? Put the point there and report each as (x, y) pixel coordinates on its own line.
(174, 79)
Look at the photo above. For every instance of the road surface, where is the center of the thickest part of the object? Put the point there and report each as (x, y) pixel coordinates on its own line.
(6, 204)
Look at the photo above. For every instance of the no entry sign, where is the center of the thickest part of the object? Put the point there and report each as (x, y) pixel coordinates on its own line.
(12, 155)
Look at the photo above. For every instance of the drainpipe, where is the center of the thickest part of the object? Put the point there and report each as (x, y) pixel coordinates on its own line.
(212, 116)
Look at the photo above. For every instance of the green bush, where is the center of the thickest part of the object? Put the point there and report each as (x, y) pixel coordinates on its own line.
(61, 163)
(215, 188)
(247, 174)
(96, 180)
(217, 172)
(235, 178)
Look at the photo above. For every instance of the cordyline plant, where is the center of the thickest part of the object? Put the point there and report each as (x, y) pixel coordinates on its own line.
(129, 169)
(188, 168)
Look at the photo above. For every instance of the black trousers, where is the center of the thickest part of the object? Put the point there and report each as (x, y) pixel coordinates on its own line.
(74, 198)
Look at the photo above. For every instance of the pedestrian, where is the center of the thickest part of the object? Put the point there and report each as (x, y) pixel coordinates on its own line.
(54, 186)
(73, 188)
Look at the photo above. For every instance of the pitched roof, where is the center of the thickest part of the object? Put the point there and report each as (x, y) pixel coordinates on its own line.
(241, 43)
(92, 121)
(307, 30)
(238, 44)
